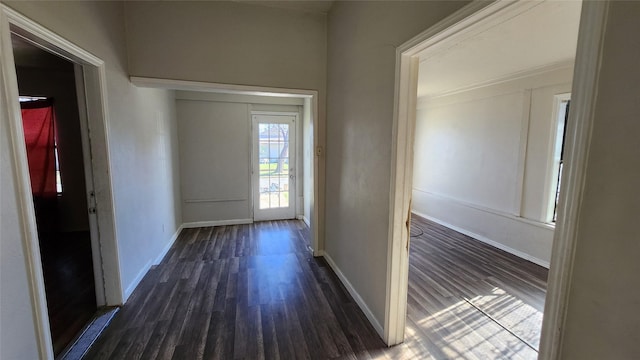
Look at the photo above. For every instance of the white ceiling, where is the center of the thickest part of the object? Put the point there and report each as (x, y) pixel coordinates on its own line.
(542, 35)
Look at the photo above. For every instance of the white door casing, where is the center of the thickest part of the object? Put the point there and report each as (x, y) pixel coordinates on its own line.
(90, 193)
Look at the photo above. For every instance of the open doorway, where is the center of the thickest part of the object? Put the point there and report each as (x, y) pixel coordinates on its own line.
(88, 200)
(62, 187)
(215, 124)
(461, 24)
(484, 156)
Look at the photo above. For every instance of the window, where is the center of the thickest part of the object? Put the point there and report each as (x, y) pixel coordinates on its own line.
(561, 114)
(39, 127)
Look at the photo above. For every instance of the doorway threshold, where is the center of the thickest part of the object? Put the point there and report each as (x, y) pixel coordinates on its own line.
(89, 334)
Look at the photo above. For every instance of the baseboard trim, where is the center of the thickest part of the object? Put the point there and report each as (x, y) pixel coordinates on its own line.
(145, 269)
(197, 224)
(166, 249)
(134, 284)
(486, 240)
(354, 294)
(304, 219)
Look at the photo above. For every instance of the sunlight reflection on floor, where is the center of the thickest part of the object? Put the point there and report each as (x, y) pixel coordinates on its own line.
(470, 332)
(511, 312)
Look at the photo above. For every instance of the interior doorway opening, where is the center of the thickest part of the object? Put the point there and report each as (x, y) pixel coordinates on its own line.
(583, 85)
(303, 155)
(484, 154)
(62, 188)
(81, 201)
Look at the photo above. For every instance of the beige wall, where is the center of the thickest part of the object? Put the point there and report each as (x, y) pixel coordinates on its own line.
(226, 42)
(362, 41)
(215, 156)
(216, 153)
(603, 318)
(232, 43)
(143, 155)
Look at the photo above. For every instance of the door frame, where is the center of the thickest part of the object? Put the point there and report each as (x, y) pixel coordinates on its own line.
(588, 57)
(97, 116)
(98, 273)
(255, 177)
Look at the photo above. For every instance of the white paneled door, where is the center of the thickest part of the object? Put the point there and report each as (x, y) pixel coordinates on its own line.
(274, 180)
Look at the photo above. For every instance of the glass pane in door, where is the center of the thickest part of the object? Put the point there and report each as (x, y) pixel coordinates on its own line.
(273, 157)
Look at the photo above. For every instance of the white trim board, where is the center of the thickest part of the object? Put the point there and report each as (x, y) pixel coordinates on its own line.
(238, 98)
(197, 224)
(145, 269)
(552, 77)
(136, 281)
(486, 240)
(488, 210)
(593, 21)
(524, 74)
(167, 247)
(202, 86)
(354, 294)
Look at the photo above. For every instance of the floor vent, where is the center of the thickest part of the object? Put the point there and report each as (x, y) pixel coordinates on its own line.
(89, 334)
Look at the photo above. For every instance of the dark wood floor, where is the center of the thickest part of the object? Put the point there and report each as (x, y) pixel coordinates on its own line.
(468, 300)
(67, 268)
(240, 292)
(254, 292)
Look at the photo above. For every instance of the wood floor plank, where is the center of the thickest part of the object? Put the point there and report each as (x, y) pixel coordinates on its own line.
(152, 347)
(270, 341)
(256, 292)
(214, 338)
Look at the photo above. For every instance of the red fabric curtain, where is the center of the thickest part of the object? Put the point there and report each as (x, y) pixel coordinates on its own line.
(38, 119)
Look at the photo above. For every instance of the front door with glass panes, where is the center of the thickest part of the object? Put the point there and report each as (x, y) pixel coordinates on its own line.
(273, 166)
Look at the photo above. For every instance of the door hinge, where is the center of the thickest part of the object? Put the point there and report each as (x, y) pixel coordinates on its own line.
(92, 202)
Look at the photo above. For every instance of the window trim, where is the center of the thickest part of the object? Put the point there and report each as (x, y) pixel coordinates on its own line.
(556, 143)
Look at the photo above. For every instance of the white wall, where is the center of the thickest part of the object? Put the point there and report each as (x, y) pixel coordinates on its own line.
(145, 179)
(602, 315)
(483, 158)
(362, 40)
(148, 182)
(17, 333)
(215, 153)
